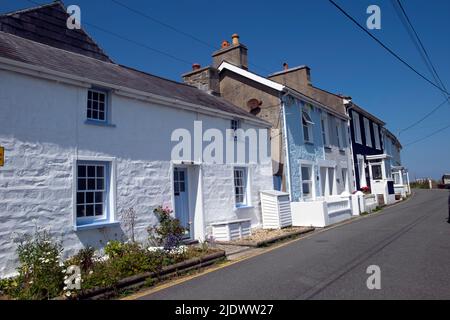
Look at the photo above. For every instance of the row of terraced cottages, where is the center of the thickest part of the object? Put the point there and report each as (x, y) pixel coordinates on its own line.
(86, 139)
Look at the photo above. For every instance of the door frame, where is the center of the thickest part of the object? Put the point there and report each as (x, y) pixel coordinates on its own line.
(195, 196)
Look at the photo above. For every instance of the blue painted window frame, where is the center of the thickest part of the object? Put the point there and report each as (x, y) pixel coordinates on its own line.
(106, 197)
(107, 106)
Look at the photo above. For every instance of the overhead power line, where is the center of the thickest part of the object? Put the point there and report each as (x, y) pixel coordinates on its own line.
(425, 52)
(428, 136)
(387, 48)
(142, 14)
(177, 30)
(140, 44)
(425, 56)
(425, 116)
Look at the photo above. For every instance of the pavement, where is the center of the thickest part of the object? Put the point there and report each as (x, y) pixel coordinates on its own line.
(409, 242)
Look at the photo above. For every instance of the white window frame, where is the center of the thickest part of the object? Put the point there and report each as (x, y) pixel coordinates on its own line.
(91, 110)
(361, 171)
(307, 124)
(329, 187)
(245, 186)
(367, 132)
(325, 131)
(339, 134)
(109, 216)
(376, 133)
(310, 181)
(344, 173)
(356, 127)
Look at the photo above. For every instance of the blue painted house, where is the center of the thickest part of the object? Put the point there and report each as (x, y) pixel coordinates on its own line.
(311, 155)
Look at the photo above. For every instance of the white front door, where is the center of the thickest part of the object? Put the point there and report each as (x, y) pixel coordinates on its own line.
(181, 196)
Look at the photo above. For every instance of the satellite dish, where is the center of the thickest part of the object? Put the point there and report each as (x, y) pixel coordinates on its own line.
(254, 105)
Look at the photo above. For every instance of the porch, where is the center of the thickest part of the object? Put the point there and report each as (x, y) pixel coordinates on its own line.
(322, 211)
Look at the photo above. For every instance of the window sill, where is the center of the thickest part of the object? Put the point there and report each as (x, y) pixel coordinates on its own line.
(243, 207)
(99, 123)
(309, 143)
(96, 225)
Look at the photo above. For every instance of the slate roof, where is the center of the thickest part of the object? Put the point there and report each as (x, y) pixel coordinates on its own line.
(57, 59)
(47, 24)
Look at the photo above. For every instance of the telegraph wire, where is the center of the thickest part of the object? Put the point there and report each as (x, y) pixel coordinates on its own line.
(424, 54)
(143, 45)
(428, 136)
(425, 116)
(189, 35)
(139, 44)
(142, 14)
(386, 47)
(439, 80)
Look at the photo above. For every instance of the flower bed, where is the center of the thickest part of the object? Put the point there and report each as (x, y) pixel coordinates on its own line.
(263, 237)
(48, 279)
(42, 275)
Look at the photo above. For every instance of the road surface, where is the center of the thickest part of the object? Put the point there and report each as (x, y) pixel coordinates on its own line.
(410, 242)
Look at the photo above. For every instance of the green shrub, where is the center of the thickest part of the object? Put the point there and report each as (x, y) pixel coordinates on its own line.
(7, 286)
(114, 248)
(84, 259)
(168, 233)
(40, 274)
(132, 260)
(103, 275)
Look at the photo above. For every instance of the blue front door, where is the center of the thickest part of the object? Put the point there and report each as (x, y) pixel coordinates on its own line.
(181, 194)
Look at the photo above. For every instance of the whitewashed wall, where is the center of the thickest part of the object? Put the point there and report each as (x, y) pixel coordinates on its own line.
(42, 129)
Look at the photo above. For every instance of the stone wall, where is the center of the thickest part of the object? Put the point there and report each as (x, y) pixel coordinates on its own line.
(44, 132)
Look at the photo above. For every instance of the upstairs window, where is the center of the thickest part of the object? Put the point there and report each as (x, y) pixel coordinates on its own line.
(376, 133)
(356, 127)
(325, 135)
(96, 105)
(339, 134)
(307, 127)
(367, 131)
(235, 125)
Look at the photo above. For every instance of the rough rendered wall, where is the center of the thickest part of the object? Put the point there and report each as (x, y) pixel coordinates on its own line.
(43, 131)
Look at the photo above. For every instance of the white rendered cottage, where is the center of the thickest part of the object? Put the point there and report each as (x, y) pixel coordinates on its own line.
(86, 139)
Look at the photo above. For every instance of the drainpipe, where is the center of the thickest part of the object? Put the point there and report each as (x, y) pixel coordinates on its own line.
(352, 159)
(286, 148)
(407, 181)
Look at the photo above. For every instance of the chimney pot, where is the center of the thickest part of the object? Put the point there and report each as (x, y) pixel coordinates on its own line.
(285, 66)
(235, 38)
(225, 44)
(196, 66)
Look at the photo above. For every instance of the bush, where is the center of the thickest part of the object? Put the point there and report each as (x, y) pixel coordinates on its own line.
(40, 274)
(84, 259)
(114, 248)
(131, 260)
(169, 233)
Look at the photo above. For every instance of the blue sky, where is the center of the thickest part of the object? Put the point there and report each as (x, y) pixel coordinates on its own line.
(342, 58)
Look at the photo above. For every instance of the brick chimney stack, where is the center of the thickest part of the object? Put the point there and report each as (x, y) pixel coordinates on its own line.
(234, 53)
